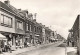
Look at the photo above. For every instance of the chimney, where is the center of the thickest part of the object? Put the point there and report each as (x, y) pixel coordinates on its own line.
(34, 20)
(19, 9)
(41, 23)
(7, 2)
(27, 11)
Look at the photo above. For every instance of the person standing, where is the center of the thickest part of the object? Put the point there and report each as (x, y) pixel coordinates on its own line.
(68, 43)
(5, 46)
(0, 47)
(72, 44)
(9, 46)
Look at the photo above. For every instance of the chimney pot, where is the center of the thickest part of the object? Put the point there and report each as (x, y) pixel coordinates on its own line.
(7, 2)
(34, 20)
(19, 9)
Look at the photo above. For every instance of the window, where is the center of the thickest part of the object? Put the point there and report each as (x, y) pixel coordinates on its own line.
(2, 18)
(30, 28)
(26, 27)
(39, 29)
(20, 25)
(10, 21)
(35, 28)
(6, 21)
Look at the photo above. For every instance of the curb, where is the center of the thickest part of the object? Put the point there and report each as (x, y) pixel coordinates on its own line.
(71, 53)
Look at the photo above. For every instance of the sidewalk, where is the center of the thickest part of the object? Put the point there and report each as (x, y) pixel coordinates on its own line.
(71, 50)
(18, 51)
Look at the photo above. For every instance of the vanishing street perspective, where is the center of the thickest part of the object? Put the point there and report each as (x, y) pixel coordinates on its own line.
(35, 27)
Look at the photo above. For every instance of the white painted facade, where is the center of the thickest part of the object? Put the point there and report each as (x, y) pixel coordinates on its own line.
(7, 29)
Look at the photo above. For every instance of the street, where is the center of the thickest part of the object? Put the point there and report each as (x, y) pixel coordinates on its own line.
(46, 50)
(57, 48)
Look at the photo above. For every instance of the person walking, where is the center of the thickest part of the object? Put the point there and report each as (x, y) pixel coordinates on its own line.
(9, 46)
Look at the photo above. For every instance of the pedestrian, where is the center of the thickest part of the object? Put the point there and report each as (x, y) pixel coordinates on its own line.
(72, 44)
(28, 44)
(0, 47)
(9, 46)
(68, 43)
(24, 44)
(5, 46)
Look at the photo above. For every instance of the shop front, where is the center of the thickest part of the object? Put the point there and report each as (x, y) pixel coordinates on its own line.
(19, 41)
(29, 39)
(37, 39)
(10, 38)
(2, 40)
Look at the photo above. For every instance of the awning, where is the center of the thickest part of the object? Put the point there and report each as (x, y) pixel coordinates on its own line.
(27, 37)
(2, 36)
(52, 38)
(56, 39)
(36, 35)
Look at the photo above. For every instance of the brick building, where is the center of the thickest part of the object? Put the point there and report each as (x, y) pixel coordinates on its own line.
(18, 26)
(76, 33)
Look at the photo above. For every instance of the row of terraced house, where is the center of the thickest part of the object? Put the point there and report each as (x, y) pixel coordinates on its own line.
(20, 26)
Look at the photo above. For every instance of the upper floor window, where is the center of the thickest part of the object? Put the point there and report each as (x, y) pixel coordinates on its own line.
(27, 27)
(35, 28)
(40, 30)
(20, 25)
(30, 28)
(2, 19)
(6, 21)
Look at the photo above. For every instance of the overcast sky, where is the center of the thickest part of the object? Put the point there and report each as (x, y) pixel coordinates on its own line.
(59, 14)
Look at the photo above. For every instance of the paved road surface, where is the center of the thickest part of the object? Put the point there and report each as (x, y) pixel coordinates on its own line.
(47, 50)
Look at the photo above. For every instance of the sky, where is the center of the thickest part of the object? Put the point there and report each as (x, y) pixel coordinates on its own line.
(59, 14)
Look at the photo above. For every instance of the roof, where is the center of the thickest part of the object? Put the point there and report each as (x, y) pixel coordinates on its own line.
(11, 9)
(2, 5)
